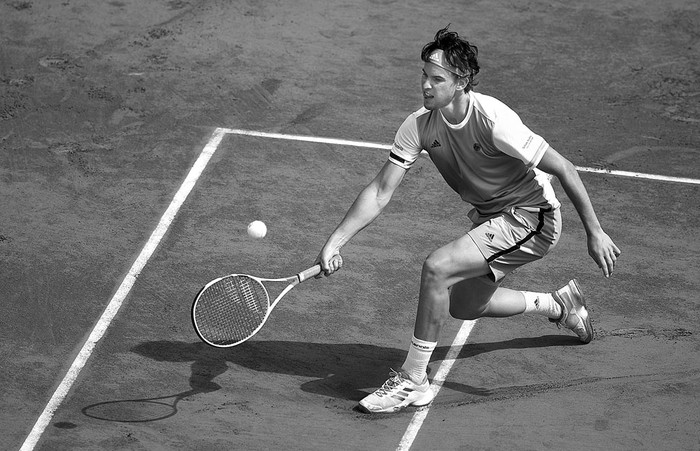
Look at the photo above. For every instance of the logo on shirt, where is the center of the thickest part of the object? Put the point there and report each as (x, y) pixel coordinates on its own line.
(435, 144)
(490, 236)
(477, 147)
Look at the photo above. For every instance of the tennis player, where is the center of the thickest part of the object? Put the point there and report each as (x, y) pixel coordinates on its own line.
(503, 169)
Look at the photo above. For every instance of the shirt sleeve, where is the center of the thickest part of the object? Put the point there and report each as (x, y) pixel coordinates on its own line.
(514, 138)
(406, 148)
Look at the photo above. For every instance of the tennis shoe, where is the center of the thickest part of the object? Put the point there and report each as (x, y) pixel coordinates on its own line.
(574, 315)
(397, 393)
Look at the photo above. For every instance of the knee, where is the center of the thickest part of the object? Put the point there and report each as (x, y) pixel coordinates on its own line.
(434, 271)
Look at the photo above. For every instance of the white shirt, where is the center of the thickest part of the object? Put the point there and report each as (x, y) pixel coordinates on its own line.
(489, 159)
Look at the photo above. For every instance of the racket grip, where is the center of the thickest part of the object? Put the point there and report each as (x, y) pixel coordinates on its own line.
(309, 273)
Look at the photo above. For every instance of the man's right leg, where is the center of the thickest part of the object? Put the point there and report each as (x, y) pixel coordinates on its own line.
(444, 267)
(458, 261)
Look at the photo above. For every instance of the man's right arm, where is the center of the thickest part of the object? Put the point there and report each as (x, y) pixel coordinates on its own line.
(365, 209)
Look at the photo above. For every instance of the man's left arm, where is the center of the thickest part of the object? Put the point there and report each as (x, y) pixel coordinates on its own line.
(600, 246)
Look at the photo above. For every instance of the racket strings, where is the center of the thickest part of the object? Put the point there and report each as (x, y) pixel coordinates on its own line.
(231, 309)
(250, 298)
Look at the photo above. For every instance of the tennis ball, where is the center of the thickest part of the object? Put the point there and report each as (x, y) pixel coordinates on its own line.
(257, 229)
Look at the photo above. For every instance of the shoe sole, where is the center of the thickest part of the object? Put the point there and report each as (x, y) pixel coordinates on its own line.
(402, 406)
(581, 313)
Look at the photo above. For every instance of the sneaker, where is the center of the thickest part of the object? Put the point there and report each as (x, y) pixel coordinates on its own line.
(398, 392)
(574, 315)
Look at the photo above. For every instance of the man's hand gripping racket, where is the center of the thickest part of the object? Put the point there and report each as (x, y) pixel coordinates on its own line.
(231, 309)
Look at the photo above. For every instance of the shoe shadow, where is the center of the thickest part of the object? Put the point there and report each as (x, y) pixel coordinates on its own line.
(343, 371)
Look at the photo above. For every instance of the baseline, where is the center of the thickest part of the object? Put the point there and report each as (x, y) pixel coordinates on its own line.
(345, 142)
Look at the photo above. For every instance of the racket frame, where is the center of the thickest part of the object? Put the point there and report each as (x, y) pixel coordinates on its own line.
(292, 280)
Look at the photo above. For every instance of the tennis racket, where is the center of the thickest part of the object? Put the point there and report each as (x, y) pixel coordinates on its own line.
(231, 309)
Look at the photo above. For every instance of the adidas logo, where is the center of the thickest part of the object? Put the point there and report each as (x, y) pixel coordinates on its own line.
(435, 144)
(490, 236)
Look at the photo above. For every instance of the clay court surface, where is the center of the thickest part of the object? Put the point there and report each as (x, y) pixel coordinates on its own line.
(106, 107)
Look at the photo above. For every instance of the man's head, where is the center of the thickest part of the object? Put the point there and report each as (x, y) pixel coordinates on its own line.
(453, 54)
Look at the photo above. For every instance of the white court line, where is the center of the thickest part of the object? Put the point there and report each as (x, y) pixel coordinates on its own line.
(313, 139)
(345, 142)
(639, 175)
(439, 379)
(118, 299)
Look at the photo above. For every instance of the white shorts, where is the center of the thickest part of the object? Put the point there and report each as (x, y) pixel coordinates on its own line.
(515, 237)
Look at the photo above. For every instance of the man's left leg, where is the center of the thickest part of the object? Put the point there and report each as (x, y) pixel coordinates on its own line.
(479, 298)
(564, 306)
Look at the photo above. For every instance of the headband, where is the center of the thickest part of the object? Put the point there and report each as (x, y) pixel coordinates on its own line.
(438, 58)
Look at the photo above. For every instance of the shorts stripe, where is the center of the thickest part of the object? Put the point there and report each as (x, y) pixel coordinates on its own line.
(528, 237)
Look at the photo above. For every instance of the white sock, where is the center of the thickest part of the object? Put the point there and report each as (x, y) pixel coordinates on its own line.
(416, 364)
(541, 303)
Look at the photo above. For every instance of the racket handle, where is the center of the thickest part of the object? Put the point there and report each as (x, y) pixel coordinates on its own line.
(309, 273)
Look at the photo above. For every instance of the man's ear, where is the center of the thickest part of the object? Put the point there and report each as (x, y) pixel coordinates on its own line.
(461, 83)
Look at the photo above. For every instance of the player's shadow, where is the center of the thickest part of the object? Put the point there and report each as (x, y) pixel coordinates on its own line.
(343, 371)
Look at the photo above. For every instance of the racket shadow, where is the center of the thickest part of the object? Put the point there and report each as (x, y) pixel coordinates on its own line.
(144, 410)
(344, 371)
(141, 410)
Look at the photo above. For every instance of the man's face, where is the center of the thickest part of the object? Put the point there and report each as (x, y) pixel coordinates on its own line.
(439, 86)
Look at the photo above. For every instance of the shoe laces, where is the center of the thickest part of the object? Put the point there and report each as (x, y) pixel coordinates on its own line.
(391, 384)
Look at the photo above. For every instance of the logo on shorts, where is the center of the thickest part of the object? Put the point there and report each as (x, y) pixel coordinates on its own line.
(477, 147)
(435, 144)
(489, 236)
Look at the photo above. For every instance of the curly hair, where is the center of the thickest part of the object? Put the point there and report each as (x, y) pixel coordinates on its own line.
(458, 52)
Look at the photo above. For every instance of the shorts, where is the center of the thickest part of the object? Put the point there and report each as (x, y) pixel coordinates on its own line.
(515, 237)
